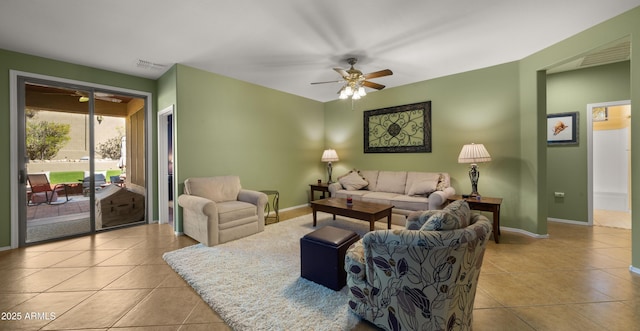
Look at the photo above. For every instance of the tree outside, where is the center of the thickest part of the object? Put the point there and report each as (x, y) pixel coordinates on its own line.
(111, 148)
(45, 139)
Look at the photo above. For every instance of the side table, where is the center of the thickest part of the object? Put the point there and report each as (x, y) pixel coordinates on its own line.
(485, 204)
(320, 187)
(275, 204)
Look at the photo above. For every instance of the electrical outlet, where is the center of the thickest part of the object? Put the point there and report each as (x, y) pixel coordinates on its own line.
(559, 194)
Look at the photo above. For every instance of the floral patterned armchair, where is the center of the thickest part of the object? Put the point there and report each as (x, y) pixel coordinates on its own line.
(423, 277)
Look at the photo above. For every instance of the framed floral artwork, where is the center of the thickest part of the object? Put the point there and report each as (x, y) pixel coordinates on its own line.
(399, 129)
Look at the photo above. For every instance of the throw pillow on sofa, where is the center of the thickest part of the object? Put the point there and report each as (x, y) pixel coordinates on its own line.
(352, 181)
(423, 187)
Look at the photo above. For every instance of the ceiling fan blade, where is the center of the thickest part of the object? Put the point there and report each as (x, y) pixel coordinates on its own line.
(373, 85)
(331, 81)
(342, 72)
(381, 73)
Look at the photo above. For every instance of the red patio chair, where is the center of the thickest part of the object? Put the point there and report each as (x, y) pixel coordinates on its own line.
(40, 185)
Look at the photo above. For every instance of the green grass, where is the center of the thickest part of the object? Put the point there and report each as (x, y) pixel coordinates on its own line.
(75, 176)
(66, 177)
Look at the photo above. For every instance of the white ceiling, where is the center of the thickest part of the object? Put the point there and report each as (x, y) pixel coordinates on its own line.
(287, 44)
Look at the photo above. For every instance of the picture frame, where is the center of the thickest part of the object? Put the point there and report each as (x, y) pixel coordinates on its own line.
(562, 128)
(600, 114)
(398, 129)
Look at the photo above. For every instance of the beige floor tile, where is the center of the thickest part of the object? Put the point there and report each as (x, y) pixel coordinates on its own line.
(94, 278)
(87, 258)
(121, 243)
(579, 278)
(163, 306)
(10, 300)
(203, 314)
(40, 281)
(498, 319)
(102, 309)
(134, 257)
(205, 327)
(43, 309)
(48, 259)
(614, 315)
(148, 328)
(556, 318)
(484, 300)
(143, 276)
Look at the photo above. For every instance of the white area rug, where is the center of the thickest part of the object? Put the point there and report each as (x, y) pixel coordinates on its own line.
(254, 283)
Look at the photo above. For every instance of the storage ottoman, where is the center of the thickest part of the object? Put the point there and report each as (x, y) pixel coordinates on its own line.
(322, 256)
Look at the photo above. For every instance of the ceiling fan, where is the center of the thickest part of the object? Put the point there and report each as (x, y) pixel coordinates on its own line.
(355, 81)
(83, 96)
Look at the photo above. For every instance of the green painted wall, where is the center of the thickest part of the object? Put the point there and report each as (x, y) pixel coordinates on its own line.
(271, 139)
(38, 65)
(533, 109)
(567, 164)
(479, 106)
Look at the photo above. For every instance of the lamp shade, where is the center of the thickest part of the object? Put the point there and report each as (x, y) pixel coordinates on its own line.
(474, 153)
(329, 155)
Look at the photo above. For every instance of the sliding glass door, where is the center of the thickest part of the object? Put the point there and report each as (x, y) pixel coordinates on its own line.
(74, 177)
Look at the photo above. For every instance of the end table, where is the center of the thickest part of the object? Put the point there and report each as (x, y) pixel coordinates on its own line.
(485, 204)
(275, 203)
(320, 187)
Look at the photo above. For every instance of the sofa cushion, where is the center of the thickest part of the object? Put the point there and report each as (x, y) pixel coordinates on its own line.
(391, 181)
(410, 203)
(371, 176)
(235, 210)
(423, 187)
(218, 189)
(352, 181)
(413, 177)
(380, 197)
(356, 195)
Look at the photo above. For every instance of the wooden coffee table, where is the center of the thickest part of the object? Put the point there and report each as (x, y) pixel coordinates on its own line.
(362, 210)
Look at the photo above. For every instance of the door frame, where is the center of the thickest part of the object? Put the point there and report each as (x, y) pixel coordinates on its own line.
(163, 161)
(13, 141)
(589, 117)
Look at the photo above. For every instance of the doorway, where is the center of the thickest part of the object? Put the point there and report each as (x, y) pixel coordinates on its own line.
(166, 169)
(609, 152)
(74, 177)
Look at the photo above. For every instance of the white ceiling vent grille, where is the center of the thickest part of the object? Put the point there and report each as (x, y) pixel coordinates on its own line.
(150, 65)
(617, 53)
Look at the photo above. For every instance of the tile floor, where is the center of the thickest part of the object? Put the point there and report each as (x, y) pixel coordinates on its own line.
(578, 279)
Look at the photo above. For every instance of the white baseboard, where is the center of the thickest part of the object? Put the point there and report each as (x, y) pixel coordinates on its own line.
(295, 207)
(527, 233)
(5, 248)
(560, 220)
(634, 270)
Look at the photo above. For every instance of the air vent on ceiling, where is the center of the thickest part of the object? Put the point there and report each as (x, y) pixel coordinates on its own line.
(617, 53)
(150, 65)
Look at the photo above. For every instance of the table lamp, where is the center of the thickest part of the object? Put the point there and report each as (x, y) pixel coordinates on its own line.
(474, 154)
(329, 155)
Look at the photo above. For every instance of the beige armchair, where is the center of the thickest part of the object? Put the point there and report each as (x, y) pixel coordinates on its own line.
(217, 210)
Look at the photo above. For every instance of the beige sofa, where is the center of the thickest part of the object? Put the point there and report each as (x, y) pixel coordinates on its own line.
(217, 209)
(407, 191)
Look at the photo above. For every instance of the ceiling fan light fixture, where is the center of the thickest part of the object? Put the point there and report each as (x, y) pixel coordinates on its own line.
(361, 91)
(356, 96)
(348, 90)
